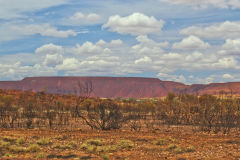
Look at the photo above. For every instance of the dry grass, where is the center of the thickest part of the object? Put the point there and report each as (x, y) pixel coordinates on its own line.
(165, 144)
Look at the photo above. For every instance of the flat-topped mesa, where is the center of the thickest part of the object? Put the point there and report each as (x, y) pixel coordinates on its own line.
(113, 87)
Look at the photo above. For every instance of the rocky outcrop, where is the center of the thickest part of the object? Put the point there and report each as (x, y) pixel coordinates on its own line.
(113, 87)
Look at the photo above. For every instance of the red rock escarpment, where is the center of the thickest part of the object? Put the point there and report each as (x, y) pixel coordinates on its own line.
(112, 87)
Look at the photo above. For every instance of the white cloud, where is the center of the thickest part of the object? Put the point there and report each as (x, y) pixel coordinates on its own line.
(15, 9)
(206, 3)
(227, 76)
(145, 59)
(116, 42)
(53, 59)
(223, 30)
(10, 31)
(231, 47)
(191, 43)
(80, 18)
(89, 48)
(168, 77)
(135, 24)
(18, 71)
(69, 64)
(44, 30)
(148, 47)
(226, 63)
(172, 56)
(49, 49)
(194, 57)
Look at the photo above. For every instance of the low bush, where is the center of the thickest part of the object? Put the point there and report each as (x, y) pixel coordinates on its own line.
(159, 142)
(125, 144)
(16, 149)
(33, 148)
(43, 141)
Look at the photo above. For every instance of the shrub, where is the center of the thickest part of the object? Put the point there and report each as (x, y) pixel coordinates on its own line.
(73, 145)
(41, 155)
(159, 142)
(33, 148)
(96, 142)
(125, 144)
(16, 149)
(88, 147)
(172, 146)
(8, 155)
(20, 140)
(178, 150)
(190, 149)
(108, 148)
(43, 141)
(105, 157)
(63, 146)
(175, 148)
(9, 139)
(171, 139)
(4, 144)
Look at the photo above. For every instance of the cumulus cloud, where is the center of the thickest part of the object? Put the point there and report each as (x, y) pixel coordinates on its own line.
(49, 49)
(134, 24)
(226, 63)
(223, 30)
(69, 64)
(191, 43)
(169, 77)
(53, 59)
(9, 31)
(145, 59)
(231, 47)
(18, 71)
(196, 56)
(14, 9)
(44, 30)
(53, 54)
(87, 19)
(206, 3)
(148, 47)
(113, 43)
(116, 42)
(89, 48)
(227, 76)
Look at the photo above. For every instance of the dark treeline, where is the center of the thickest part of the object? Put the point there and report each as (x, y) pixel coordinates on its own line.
(39, 110)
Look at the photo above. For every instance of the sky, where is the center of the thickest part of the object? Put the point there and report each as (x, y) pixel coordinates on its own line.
(187, 41)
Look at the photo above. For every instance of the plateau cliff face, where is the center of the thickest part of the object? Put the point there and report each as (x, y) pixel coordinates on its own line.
(113, 87)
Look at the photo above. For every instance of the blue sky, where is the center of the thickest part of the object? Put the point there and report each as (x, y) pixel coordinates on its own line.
(188, 41)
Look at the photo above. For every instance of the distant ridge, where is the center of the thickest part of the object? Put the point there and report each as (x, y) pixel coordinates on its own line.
(113, 87)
